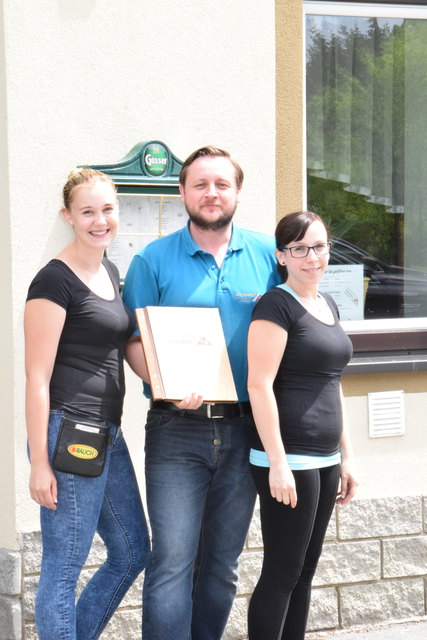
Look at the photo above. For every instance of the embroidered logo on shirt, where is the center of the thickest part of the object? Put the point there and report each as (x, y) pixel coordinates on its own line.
(248, 297)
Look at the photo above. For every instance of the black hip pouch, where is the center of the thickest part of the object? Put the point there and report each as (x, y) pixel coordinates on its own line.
(81, 448)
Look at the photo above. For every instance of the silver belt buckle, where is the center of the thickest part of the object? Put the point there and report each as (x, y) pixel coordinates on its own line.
(209, 412)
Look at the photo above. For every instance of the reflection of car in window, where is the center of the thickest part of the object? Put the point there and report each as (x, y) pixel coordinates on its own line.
(393, 291)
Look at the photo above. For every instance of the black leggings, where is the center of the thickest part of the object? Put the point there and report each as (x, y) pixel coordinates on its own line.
(293, 541)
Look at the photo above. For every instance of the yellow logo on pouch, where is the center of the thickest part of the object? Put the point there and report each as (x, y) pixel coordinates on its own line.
(82, 451)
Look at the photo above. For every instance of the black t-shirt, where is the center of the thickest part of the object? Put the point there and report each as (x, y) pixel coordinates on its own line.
(88, 374)
(307, 382)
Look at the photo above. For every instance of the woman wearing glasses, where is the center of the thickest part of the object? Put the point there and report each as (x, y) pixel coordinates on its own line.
(301, 452)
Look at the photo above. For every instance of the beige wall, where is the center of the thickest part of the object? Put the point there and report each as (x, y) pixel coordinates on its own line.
(391, 466)
(290, 182)
(85, 80)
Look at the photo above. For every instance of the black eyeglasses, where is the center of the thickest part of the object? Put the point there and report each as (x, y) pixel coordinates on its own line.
(302, 251)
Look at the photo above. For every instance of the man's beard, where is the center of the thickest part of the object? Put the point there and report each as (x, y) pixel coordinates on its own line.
(211, 225)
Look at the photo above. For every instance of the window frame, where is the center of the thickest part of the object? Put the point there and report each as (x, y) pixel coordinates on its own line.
(384, 9)
(398, 344)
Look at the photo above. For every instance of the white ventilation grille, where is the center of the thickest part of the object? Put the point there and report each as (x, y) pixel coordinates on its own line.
(386, 414)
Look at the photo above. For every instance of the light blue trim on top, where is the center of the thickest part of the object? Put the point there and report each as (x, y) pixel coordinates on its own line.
(297, 462)
(287, 288)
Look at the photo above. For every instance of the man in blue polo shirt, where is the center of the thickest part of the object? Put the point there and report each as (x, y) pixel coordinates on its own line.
(200, 494)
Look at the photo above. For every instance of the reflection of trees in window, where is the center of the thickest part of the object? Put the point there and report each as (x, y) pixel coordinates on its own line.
(366, 143)
(416, 143)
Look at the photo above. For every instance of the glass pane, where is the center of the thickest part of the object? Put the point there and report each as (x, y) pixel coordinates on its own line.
(367, 154)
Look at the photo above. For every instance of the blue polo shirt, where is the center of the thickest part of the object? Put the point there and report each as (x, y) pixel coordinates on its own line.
(173, 271)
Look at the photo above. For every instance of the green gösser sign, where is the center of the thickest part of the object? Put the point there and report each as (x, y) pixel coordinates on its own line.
(155, 159)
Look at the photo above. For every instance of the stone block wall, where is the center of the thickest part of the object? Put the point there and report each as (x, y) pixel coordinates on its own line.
(373, 569)
(10, 595)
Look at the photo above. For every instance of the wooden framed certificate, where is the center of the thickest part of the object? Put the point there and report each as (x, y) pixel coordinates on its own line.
(185, 351)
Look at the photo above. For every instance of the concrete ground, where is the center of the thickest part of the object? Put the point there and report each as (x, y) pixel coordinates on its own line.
(402, 631)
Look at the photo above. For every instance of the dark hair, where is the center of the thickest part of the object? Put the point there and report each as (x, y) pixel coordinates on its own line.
(214, 152)
(291, 228)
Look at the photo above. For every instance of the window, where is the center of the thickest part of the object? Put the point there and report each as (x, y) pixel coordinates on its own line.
(366, 150)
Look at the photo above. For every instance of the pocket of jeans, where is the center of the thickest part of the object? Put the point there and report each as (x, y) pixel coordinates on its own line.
(159, 420)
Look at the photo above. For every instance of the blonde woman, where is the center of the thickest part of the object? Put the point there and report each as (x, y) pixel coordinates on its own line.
(76, 327)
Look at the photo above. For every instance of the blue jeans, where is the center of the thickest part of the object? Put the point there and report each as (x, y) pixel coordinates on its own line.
(200, 497)
(109, 504)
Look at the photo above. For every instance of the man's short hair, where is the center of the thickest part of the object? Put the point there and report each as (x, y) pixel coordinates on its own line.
(211, 151)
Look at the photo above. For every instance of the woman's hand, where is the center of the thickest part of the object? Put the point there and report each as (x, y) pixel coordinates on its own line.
(282, 484)
(43, 487)
(189, 402)
(349, 483)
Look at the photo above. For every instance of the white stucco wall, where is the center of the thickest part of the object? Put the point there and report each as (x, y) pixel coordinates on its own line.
(86, 80)
(7, 465)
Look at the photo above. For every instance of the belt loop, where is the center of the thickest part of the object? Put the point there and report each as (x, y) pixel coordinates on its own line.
(209, 410)
(115, 437)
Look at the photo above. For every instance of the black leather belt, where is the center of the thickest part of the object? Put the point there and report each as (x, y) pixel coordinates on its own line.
(217, 410)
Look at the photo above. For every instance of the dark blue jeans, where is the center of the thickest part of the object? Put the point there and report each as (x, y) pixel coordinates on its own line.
(109, 504)
(200, 497)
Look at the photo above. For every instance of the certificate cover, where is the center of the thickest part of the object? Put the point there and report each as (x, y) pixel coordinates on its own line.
(185, 352)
